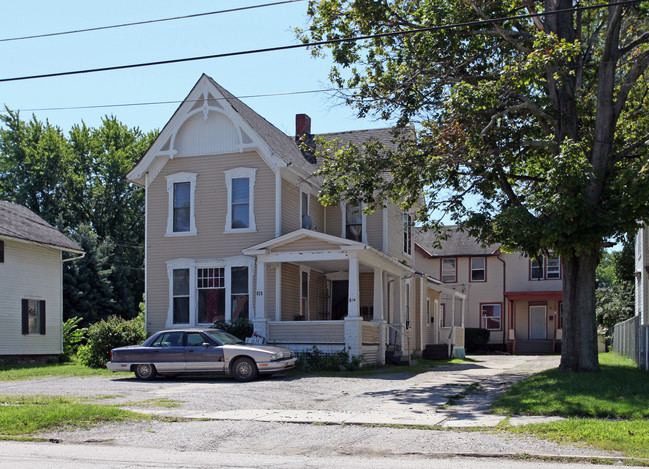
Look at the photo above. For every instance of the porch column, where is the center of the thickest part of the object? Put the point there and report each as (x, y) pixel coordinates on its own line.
(379, 316)
(378, 295)
(259, 321)
(353, 320)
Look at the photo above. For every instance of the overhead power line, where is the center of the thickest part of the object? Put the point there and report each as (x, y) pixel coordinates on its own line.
(154, 103)
(319, 43)
(139, 23)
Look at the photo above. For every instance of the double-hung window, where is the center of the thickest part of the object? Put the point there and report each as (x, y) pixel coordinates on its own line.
(211, 294)
(449, 271)
(353, 222)
(33, 317)
(2, 251)
(180, 295)
(545, 268)
(181, 219)
(478, 269)
(203, 292)
(240, 183)
(407, 234)
(491, 317)
(305, 217)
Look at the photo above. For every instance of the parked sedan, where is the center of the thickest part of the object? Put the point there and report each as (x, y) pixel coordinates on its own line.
(178, 351)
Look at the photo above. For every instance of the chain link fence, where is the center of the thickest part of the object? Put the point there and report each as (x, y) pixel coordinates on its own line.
(632, 340)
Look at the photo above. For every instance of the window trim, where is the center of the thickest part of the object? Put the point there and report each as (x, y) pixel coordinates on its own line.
(483, 323)
(42, 317)
(304, 193)
(471, 269)
(544, 268)
(407, 233)
(193, 266)
(361, 207)
(304, 299)
(241, 173)
(407, 305)
(172, 179)
(441, 269)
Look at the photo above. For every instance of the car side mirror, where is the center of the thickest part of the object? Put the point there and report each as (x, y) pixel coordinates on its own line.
(206, 345)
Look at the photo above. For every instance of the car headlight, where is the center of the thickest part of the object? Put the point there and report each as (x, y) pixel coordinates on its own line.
(281, 356)
(275, 356)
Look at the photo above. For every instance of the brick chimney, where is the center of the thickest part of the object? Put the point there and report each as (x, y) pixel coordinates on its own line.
(304, 137)
(302, 125)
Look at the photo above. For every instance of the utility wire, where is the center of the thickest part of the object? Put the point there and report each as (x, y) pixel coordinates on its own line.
(138, 23)
(154, 103)
(318, 43)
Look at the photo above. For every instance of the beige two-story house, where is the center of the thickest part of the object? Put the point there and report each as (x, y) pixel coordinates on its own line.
(516, 298)
(234, 228)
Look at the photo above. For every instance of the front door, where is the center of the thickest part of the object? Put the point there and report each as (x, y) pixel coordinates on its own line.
(537, 322)
(339, 299)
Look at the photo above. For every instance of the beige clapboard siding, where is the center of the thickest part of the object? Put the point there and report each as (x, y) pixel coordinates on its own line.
(290, 292)
(334, 220)
(290, 207)
(374, 229)
(395, 233)
(270, 292)
(366, 286)
(317, 213)
(370, 333)
(317, 303)
(307, 332)
(30, 272)
(210, 213)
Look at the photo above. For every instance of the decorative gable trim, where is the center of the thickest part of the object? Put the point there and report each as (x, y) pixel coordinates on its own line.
(204, 124)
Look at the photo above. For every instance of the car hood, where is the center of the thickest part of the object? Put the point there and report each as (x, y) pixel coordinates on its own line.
(260, 348)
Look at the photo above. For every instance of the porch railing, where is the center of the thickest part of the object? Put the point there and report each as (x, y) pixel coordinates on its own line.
(306, 332)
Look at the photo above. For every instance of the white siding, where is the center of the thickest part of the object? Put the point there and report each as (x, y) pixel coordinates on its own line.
(30, 272)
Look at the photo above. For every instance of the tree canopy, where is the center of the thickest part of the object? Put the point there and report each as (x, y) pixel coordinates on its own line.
(76, 183)
(539, 119)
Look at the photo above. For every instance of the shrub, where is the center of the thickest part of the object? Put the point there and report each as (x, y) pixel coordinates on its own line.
(108, 334)
(475, 339)
(317, 360)
(72, 337)
(240, 327)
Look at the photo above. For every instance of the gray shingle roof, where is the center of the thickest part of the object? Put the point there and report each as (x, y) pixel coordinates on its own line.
(459, 243)
(19, 222)
(286, 147)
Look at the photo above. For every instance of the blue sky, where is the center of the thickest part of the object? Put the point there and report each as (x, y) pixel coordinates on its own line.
(268, 73)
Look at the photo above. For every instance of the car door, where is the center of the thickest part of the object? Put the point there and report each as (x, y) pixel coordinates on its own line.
(167, 353)
(202, 354)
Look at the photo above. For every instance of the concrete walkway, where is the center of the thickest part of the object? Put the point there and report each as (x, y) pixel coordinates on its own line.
(423, 401)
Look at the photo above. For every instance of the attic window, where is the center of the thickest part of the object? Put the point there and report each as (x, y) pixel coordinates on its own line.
(354, 223)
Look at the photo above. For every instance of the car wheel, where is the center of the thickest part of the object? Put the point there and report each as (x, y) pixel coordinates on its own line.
(244, 369)
(145, 371)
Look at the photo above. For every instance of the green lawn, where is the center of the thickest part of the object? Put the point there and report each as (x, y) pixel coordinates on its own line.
(26, 415)
(607, 410)
(620, 391)
(20, 371)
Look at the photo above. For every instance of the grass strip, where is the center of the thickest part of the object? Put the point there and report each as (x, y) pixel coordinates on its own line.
(26, 415)
(618, 392)
(21, 371)
(631, 437)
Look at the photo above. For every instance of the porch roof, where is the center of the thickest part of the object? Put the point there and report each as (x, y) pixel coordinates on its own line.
(326, 248)
(534, 295)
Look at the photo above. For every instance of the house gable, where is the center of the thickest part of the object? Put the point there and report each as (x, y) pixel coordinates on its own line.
(205, 124)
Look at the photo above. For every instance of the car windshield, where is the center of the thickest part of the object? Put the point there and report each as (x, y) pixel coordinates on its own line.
(223, 338)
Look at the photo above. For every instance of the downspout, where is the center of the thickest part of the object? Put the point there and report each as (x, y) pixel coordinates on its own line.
(63, 261)
(506, 329)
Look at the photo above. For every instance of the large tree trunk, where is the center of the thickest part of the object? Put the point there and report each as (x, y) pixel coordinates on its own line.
(579, 344)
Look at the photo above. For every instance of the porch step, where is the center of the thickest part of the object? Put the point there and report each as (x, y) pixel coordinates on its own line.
(435, 352)
(396, 358)
(534, 347)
